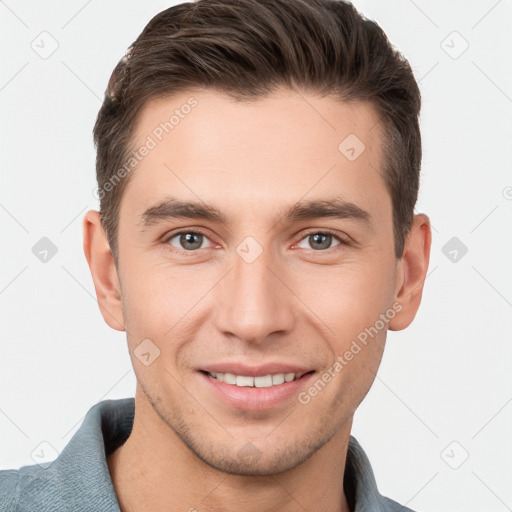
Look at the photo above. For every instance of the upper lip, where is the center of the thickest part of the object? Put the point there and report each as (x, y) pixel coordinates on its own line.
(255, 371)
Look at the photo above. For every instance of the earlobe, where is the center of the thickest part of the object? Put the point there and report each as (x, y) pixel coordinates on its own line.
(412, 272)
(103, 270)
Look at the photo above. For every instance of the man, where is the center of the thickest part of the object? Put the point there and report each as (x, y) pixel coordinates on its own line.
(258, 167)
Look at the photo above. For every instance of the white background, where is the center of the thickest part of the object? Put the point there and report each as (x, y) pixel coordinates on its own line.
(447, 378)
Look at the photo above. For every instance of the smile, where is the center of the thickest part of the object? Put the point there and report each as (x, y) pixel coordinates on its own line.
(266, 389)
(264, 381)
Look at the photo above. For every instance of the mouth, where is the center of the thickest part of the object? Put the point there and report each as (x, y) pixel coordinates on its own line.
(250, 389)
(262, 381)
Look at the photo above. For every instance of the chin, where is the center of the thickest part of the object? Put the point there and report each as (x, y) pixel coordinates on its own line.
(265, 465)
(254, 459)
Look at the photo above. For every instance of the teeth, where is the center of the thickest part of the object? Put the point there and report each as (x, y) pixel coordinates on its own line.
(229, 378)
(244, 381)
(264, 381)
(278, 379)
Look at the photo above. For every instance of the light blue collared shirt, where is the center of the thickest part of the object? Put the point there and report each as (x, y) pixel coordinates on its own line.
(78, 480)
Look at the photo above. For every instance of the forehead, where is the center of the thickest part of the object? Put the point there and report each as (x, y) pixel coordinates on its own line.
(203, 145)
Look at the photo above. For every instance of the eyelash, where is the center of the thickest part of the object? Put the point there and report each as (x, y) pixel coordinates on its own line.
(198, 231)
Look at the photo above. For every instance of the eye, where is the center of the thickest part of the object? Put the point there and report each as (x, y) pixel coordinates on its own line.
(187, 240)
(320, 240)
(190, 241)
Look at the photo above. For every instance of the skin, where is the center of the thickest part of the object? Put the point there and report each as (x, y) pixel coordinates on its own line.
(299, 302)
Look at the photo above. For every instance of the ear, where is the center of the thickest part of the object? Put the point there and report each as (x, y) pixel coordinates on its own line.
(413, 266)
(103, 270)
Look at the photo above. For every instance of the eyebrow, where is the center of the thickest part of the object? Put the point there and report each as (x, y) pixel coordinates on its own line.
(173, 208)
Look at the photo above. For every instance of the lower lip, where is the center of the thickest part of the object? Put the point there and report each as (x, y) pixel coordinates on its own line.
(252, 398)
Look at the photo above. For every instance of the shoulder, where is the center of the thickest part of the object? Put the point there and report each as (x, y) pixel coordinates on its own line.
(360, 485)
(388, 505)
(9, 480)
(32, 481)
(78, 479)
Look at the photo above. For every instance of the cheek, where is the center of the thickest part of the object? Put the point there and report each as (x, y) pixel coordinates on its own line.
(156, 297)
(347, 299)
(352, 304)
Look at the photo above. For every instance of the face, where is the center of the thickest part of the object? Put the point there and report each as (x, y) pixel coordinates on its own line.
(256, 260)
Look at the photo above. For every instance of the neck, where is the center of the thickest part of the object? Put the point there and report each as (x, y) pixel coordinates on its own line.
(155, 470)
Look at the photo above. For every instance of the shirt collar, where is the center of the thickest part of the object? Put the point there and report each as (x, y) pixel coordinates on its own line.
(80, 476)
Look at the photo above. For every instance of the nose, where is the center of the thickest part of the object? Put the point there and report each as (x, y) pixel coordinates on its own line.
(253, 300)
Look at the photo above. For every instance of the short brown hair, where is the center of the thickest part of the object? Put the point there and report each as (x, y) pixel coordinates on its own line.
(248, 48)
